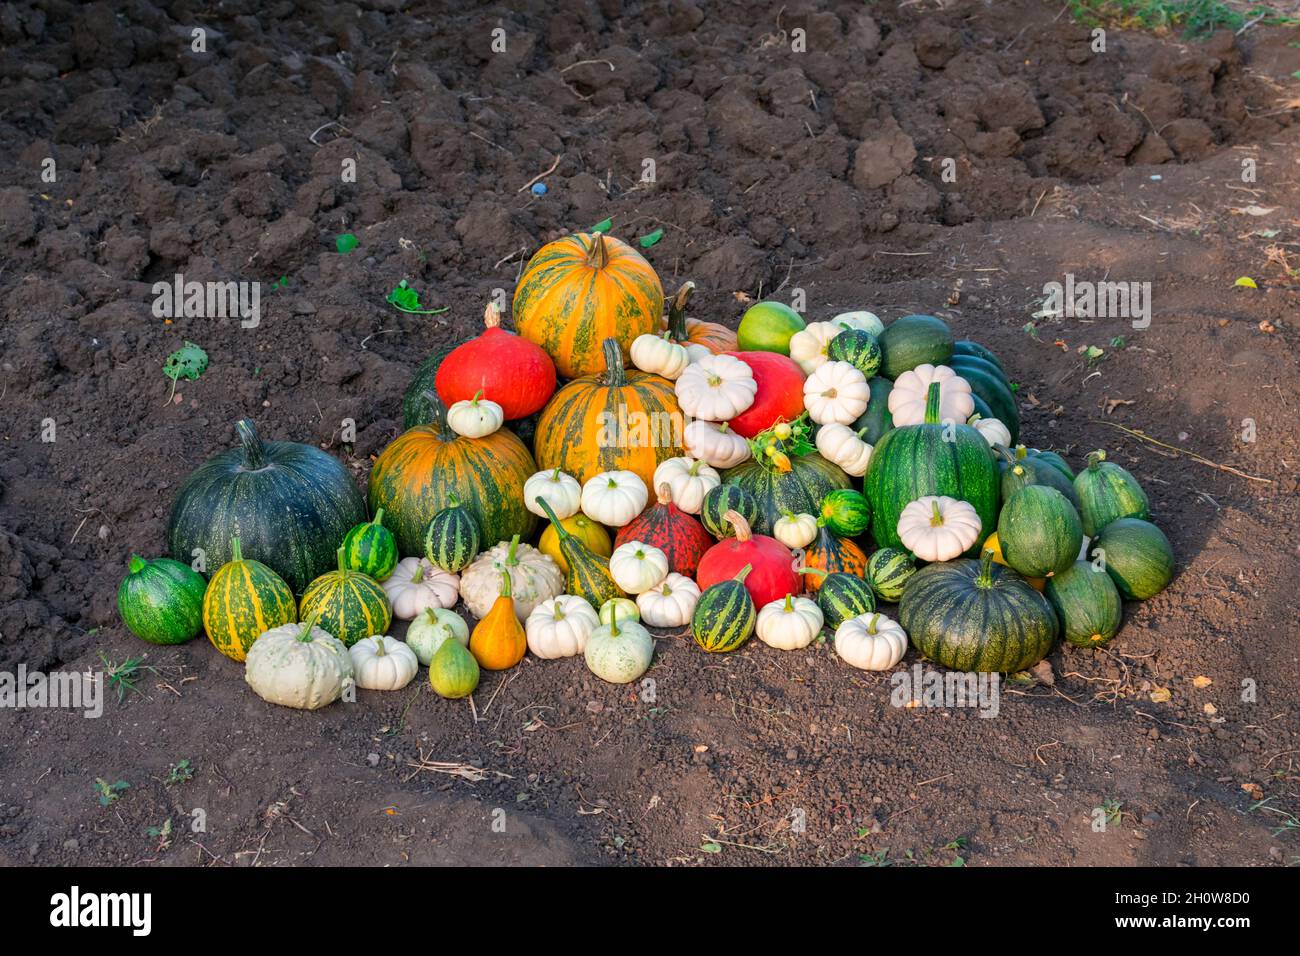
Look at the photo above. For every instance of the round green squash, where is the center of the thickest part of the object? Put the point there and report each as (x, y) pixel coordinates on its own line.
(889, 570)
(974, 615)
(1107, 491)
(877, 419)
(800, 490)
(842, 596)
(1087, 604)
(988, 384)
(1021, 472)
(347, 604)
(1136, 555)
(289, 504)
(721, 499)
(1039, 532)
(452, 539)
(161, 601)
(371, 548)
(244, 600)
(859, 348)
(453, 671)
(914, 340)
(1037, 456)
(724, 616)
(846, 512)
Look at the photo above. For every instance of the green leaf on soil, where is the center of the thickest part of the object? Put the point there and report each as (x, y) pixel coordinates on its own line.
(405, 298)
(189, 361)
(711, 848)
(604, 226)
(647, 241)
(345, 243)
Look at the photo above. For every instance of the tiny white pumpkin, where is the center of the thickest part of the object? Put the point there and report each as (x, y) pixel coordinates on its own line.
(808, 345)
(637, 566)
(994, 432)
(688, 480)
(430, 628)
(912, 389)
(867, 321)
(619, 652)
(872, 642)
(660, 355)
(938, 528)
(716, 388)
(298, 665)
(841, 445)
(557, 488)
(383, 663)
(716, 444)
(695, 352)
(614, 497)
(789, 623)
(560, 627)
(795, 530)
(836, 393)
(671, 603)
(416, 585)
(475, 417)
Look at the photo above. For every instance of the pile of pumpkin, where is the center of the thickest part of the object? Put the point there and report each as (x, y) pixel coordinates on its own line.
(773, 454)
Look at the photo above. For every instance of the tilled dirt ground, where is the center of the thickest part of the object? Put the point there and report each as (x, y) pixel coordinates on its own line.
(775, 170)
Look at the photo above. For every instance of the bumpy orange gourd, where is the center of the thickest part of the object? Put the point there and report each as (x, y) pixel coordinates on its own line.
(498, 641)
(715, 337)
(580, 290)
(831, 553)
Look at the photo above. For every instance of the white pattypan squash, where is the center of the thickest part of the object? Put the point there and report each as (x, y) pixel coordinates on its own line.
(660, 355)
(872, 642)
(416, 585)
(716, 388)
(558, 489)
(716, 444)
(994, 432)
(298, 665)
(938, 528)
(789, 623)
(383, 663)
(841, 445)
(637, 566)
(475, 417)
(559, 627)
(430, 628)
(671, 603)
(911, 389)
(836, 393)
(795, 530)
(688, 480)
(619, 653)
(614, 497)
(534, 577)
(808, 345)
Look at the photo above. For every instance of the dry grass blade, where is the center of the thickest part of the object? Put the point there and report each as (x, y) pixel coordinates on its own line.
(1183, 451)
(451, 768)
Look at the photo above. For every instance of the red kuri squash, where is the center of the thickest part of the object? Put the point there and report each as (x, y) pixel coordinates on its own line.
(772, 576)
(670, 529)
(685, 331)
(508, 369)
(779, 396)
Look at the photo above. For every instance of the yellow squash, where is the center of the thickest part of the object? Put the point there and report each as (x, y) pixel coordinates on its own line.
(591, 533)
(498, 641)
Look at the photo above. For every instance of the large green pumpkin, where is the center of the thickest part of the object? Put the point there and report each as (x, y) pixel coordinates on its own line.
(289, 504)
(917, 460)
(1136, 555)
(429, 467)
(161, 601)
(1087, 603)
(974, 615)
(1107, 491)
(1039, 531)
(800, 490)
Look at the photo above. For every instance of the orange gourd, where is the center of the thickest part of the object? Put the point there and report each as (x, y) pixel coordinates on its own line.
(713, 336)
(831, 553)
(498, 641)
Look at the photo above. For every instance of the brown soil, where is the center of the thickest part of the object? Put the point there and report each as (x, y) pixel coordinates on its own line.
(820, 170)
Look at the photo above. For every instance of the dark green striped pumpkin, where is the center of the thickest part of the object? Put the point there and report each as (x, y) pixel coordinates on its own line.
(371, 548)
(1136, 555)
(917, 460)
(914, 340)
(721, 499)
(1107, 491)
(452, 538)
(587, 575)
(161, 601)
(1037, 455)
(289, 504)
(968, 347)
(1039, 531)
(798, 491)
(989, 384)
(889, 570)
(417, 409)
(348, 604)
(974, 615)
(842, 596)
(724, 616)
(846, 512)
(244, 600)
(859, 348)
(1087, 604)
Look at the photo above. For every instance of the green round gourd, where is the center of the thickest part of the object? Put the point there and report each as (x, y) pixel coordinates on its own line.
(371, 548)
(724, 616)
(721, 499)
(974, 615)
(348, 604)
(1087, 604)
(453, 672)
(1037, 455)
(889, 570)
(244, 600)
(859, 348)
(1107, 491)
(452, 539)
(1039, 531)
(877, 419)
(1022, 472)
(846, 512)
(914, 340)
(842, 596)
(1136, 555)
(161, 601)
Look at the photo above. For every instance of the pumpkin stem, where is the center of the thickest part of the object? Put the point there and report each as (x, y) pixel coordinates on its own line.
(439, 420)
(511, 560)
(378, 519)
(936, 517)
(236, 554)
(743, 573)
(665, 493)
(1095, 458)
(254, 450)
(820, 572)
(555, 522)
(136, 564)
(598, 252)
(555, 476)
(305, 634)
(871, 624)
(380, 650)
(492, 315)
(505, 583)
(1022, 451)
(737, 521)
(558, 612)
(985, 577)
(789, 603)
(343, 568)
(932, 404)
(615, 373)
(477, 396)
(677, 312)
(419, 573)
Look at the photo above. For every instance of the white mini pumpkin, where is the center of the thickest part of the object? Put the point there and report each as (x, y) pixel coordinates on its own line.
(911, 390)
(795, 530)
(871, 642)
(994, 432)
(716, 388)
(430, 628)
(688, 480)
(671, 603)
(789, 623)
(637, 566)
(619, 653)
(298, 665)
(614, 497)
(475, 417)
(534, 577)
(558, 489)
(808, 345)
(716, 444)
(660, 355)
(836, 393)
(560, 626)
(841, 445)
(867, 321)
(620, 610)
(383, 663)
(938, 528)
(416, 585)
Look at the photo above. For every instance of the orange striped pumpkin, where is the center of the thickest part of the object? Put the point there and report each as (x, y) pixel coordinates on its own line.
(427, 467)
(618, 420)
(580, 290)
(713, 336)
(831, 553)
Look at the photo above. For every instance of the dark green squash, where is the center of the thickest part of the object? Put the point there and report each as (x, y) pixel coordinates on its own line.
(846, 512)
(1037, 455)
(417, 409)
(348, 604)
(724, 616)
(1087, 604)
(877, 419)
(988, 383)
(859, 348)
(1136, 555)
(588, 575)
(914, 340)
(1039, 531)
(721, 499)
(974, 615)
(799, 490)
(889, 570)
(968, 347)
(452, 539)
(917, 460)
(161, 601)
(289, 504)
(1107, 491)
(841, 596)
(1022, 472)
(371, 548)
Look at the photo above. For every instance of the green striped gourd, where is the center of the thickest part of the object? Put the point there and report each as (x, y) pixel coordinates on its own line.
(452, 539)
(842, 596)
(371, 548)
(1106, 492)
(721, 499)
(350, 605)
(1087, 604)
(798, 489)
(1136, 555)
(846, 512)
(724, 616)
(161, 601)
(889, 570)
(588, 575)
(244, 599)
(1039, 532)
(859, 348)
